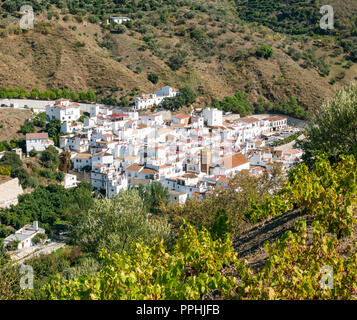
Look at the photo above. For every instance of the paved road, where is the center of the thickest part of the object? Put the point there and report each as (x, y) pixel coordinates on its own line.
(40, 104)
(38, 251)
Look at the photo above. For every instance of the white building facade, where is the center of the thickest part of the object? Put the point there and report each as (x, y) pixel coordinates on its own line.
(63, 110)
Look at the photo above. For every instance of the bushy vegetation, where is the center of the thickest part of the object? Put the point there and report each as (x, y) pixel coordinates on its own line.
(237, 104)
(14, 143)
(89, 96)
(240, 104)
(154, 196)
(50, 205)
(12, 162)
(297, 269)
(289, 139)
(185, 97)
(199, 266)
(53, 127)
(115, 224)
(333, 129)
(190, 271)
(208, 212)
(325, 192)
(295, 17)
(264, 51)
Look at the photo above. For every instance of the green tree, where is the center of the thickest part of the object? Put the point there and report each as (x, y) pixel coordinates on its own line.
(115, 224)
(91, 96)
(39, 120)
(177, 60)
(155, 195)
(27, 127)
(54, 128)
(153, 77)
(264, 52)
(50, 158)
(221, 226)
(83, 96)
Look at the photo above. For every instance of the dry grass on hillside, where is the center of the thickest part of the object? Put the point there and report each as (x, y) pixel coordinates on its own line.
(11, 121)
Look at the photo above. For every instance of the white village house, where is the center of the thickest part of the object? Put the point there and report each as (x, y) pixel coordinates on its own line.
(118, 20)
(147, 101)
(38, 142)
(24, 236)
(213, 117)
(63, 110)
(276, 122)
(70, 181)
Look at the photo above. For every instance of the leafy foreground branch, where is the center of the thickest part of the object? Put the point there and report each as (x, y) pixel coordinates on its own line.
(200, 268)
(294, 269)
(327, 192)
(194, 268)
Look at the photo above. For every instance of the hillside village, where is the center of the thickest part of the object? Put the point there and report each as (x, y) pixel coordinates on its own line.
(178, 150)
(187, 154)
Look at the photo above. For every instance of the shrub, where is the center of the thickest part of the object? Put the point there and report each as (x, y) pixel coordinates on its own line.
(5, 171)
(93, 19)
(190, 271)
(177, 60)
(264, 52)
(153, 77)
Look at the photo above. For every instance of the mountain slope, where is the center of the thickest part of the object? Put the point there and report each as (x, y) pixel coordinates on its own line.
(203, 44)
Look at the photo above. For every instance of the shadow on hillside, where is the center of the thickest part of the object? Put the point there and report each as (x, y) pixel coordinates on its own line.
(250, 244)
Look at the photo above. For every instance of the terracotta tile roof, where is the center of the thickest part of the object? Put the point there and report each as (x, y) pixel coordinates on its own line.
(36, 136)
(234, 161)
(149, 171)
(102, 154)
(134, 167)
(181, 116)
(293, 151)
(140, 181)
(119, 115)
(223, 179)
(165, 166)
(249, 119)
(83, 156)
(274, 118)
(179, 125)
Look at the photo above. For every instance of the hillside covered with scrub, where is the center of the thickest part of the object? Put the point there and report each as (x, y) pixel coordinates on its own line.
(269, 50)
